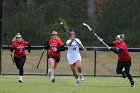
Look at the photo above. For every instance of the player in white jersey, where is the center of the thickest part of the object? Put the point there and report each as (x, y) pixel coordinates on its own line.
(74, 57)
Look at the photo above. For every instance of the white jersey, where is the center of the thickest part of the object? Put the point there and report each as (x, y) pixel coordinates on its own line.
(73, 53)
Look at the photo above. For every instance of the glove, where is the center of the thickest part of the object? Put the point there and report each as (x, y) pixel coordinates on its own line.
(109, 48)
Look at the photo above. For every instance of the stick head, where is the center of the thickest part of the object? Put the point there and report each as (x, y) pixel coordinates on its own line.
(61, 23)
(87, 26)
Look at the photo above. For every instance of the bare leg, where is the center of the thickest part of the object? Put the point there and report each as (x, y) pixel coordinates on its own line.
(53, 65)
(72, 66)
(78, 66)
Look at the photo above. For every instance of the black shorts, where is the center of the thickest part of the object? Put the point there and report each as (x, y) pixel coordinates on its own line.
(20, 61)
(56, 59)
(122, 64)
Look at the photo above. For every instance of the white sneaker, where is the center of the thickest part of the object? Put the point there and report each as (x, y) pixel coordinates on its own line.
(81, 77)
(77, 82)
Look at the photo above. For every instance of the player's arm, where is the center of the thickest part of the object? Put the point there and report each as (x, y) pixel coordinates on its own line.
(109, 43)
(62, 48)
(29, 48)
(80, 44)
(12, 50)
(46, 45)
(69, 42)
(116, 50)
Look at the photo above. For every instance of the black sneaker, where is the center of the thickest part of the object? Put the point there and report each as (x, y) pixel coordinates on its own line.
(133, 84)
(53, 80)
(20, 81)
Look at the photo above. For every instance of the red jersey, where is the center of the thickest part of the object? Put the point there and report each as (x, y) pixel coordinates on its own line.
(124, 54)
(57, 44)
(19, 48)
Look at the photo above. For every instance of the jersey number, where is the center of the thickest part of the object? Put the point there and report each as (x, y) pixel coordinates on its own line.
(20, 50)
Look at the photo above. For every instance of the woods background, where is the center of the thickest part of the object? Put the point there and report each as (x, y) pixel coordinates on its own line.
(36, 19)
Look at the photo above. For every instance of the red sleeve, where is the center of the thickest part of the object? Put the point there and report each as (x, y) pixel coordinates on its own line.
(25, 43)
(13, 45)
(61, 43)
(115, 43)
(123, 46)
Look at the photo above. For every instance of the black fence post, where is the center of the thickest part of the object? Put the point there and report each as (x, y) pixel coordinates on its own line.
(1, 8)
(47, 64)
(95, 63)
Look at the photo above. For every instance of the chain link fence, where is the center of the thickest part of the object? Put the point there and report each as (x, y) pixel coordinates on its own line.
(95, 61)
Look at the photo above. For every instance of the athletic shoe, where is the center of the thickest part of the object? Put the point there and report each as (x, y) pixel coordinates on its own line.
(133, 84)
(77, 82)
(20, 81)
(49, 73)
(53, 80)
(82, 77)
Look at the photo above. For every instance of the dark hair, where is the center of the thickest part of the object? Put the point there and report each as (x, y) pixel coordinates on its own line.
(71, 30)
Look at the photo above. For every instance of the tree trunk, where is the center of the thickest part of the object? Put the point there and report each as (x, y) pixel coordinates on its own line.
(91, 10)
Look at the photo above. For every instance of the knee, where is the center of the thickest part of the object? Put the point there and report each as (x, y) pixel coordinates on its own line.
(74, 72)
(78, 66)
(52, 67)
(21, 67)
(118, 72)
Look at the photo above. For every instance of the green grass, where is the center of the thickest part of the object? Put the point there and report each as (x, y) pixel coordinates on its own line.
(66, 84)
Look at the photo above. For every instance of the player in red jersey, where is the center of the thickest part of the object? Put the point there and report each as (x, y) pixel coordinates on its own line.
(56, 46)
(19, 53)
(124, 58)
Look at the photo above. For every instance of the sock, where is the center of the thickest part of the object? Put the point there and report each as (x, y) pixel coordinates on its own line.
(21, 78)
(80, 74)
(49, 70)
(78, 79)
(52, 76)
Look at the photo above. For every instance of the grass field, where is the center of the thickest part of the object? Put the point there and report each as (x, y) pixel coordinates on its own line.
(66, 84)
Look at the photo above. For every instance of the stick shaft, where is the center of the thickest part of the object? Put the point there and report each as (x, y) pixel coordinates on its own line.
(74, 39)
(95, 34)
(101, 41)
(80, 44)
(40, 58)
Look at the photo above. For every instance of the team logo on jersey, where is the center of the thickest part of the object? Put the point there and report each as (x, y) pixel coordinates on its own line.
(73, 47)
(20, 48)
(53, 45)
